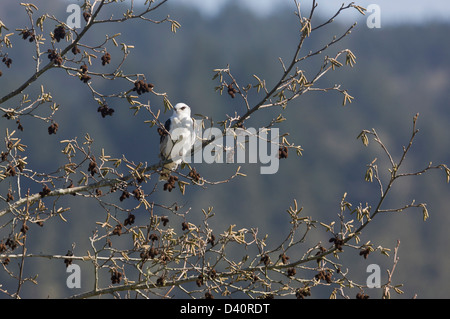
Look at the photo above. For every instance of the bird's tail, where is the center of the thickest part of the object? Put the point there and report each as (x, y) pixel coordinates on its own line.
(166, 170)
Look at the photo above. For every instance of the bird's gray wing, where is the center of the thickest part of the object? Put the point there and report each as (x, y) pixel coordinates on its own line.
(165, 142)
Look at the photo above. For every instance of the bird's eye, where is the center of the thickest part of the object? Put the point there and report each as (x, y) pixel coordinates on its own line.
(183, 108)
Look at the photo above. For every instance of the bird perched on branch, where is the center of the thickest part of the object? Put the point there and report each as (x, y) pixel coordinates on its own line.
(177, 139)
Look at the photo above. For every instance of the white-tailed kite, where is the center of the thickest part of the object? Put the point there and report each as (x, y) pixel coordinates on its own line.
(177, 141)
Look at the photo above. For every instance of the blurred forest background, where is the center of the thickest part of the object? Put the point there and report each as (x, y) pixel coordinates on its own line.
(400, 71)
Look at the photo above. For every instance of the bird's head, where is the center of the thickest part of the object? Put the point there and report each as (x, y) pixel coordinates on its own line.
(182, 111)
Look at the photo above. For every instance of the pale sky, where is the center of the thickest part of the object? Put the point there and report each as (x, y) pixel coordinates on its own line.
(392, 11)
